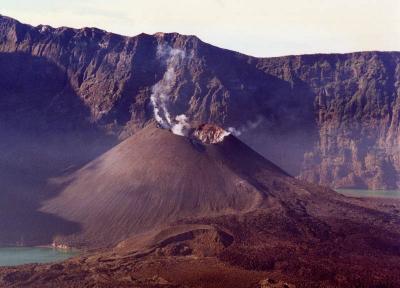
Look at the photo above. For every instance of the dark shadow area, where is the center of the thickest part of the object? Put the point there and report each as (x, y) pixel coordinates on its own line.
(45, 132)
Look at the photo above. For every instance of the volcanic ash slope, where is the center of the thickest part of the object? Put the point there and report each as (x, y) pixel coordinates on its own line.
(155, 178)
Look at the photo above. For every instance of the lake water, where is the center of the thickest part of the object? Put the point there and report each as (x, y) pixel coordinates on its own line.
(370, 193)
(10, 256)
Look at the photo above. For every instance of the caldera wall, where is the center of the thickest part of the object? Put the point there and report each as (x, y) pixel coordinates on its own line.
(331, 119)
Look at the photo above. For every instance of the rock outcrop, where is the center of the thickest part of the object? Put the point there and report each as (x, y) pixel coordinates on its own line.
(329, 118)
(209, 134)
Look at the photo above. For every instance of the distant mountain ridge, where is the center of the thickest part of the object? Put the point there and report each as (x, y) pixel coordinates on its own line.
(328, 118)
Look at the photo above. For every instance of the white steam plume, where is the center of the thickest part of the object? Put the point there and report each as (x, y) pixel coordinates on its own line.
(182, 126)
(249, 125)
(161, 91)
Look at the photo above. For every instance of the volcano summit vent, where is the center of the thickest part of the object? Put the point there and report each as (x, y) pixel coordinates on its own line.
(210, 134)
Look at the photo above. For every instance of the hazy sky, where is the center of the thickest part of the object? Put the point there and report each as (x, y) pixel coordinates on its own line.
(255, 27)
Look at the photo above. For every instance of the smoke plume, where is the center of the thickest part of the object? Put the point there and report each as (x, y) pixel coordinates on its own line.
(162, 90)
(182, 126)
(174, 59)
(249, 125)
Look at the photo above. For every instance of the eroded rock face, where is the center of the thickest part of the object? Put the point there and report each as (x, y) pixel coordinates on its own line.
(356, 106)
(331, 119)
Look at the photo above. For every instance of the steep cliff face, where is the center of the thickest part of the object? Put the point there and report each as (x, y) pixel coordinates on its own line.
(356, 104)
(331, 119)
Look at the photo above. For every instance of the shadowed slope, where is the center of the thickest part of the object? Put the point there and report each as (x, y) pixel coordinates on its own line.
(39, 113)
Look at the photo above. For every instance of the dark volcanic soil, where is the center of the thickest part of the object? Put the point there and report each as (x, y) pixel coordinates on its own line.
(208, 233)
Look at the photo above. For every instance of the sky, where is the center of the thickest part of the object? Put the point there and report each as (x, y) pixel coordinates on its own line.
(261, 28)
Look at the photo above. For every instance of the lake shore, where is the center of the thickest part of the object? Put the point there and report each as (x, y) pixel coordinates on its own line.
(18, 255)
